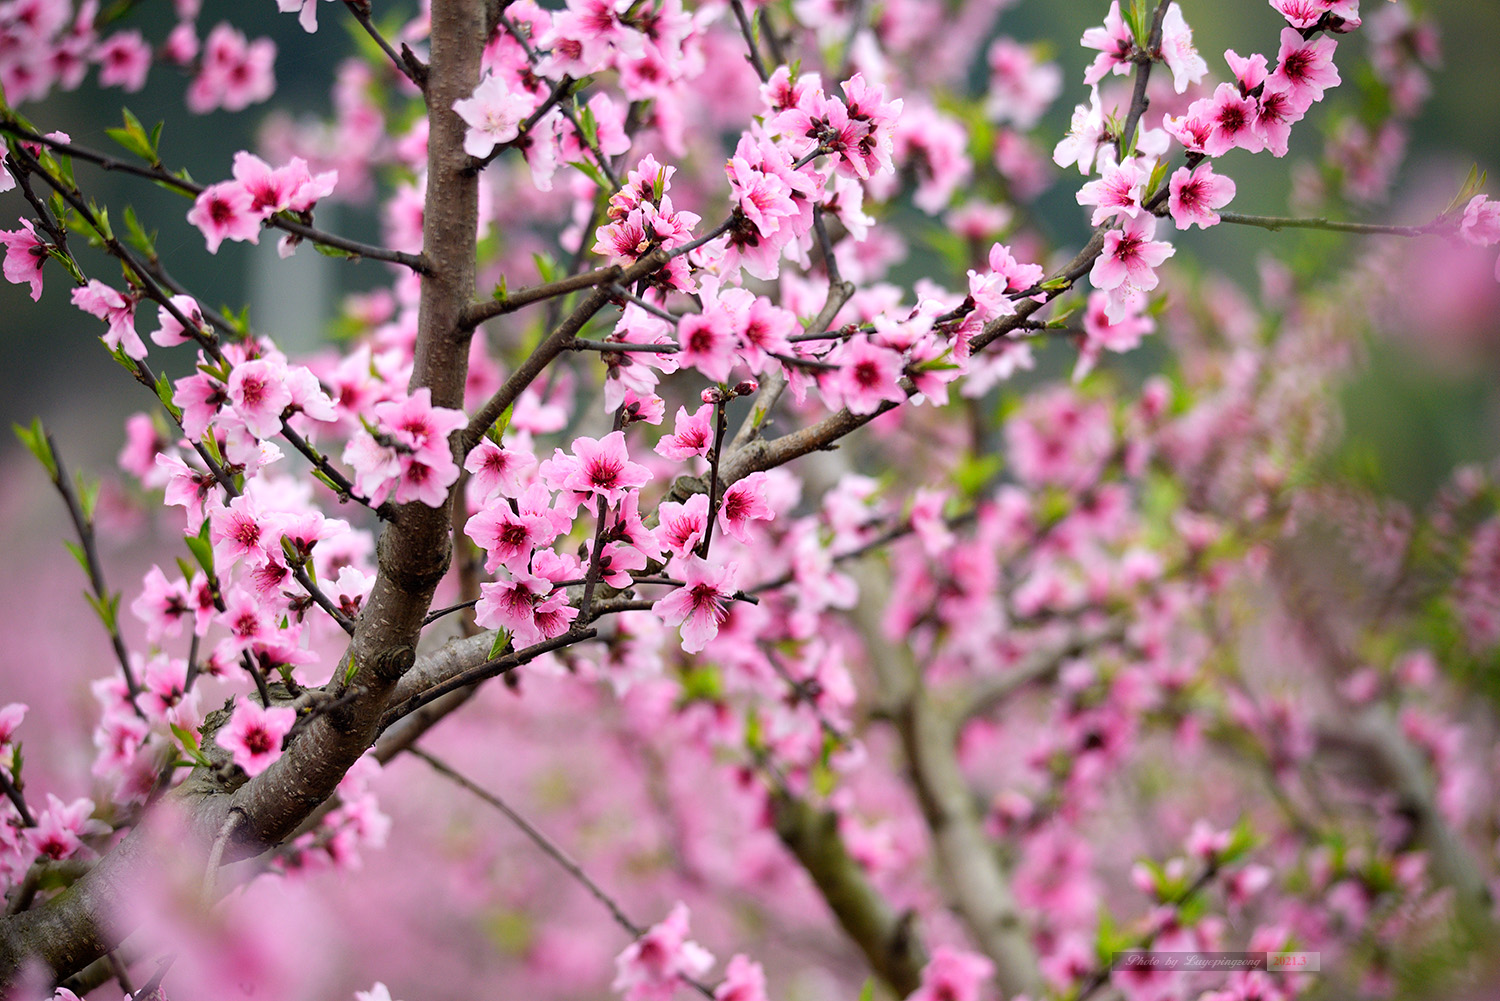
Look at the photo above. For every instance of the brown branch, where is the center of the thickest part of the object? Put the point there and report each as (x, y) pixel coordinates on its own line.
(889, 940)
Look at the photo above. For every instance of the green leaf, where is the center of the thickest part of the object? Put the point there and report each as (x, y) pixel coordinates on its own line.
(546, 268)
(78, 554)
(190, 745)
(351, 670)
(69, 265)
(867, 992)
(136, 236)
(593, 173)
(502, 289)
(497, 429)
(1055, 284)
(201, 548)
(35, 440)
(327, 481)
(107, 608)
(1471, 186)
(341, 254)
(1157, 176)
(502, 640)
(88, 496)
(586, 123)
(100, 222)
(133, 137)
(164, 393)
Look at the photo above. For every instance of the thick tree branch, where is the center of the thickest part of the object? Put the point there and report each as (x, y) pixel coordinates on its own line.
(888, 940)
(82, 923)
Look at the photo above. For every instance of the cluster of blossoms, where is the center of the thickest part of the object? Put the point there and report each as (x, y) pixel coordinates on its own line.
(235, 210)
(47, 44)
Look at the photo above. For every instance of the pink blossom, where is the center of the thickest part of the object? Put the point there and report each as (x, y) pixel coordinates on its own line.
(124, 60)
(1117, 192)
(699, 604)
(1101, 333)
(200, 397)
(652, 967)
(708, 343)
(162, 605)
(1305, 68)
(526, 606)
(98, 299)
(1059, 438)
(169, 331)
(1021, 86)
(494, 114)
(225, 211)
(744, 502)
(1195, 195)
(61, 827)
(307, 16)
(953, 975)
(602, 468)
(744, 980)
(1177, 50)
(1114, 42)
(254, 734)
(1480, 225)
(272, 190)
(1085, 134)
(24, 256)
(497, 471)
(508, 536)
(868, 376)
(1274, 118)
(235, 73)
(691, 435)
(1233, 117)
(1130, 257)
(258, 393)
(681, 527)
(379, 992)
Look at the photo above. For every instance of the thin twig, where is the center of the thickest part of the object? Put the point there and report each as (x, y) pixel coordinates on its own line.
(546, 844)
(748, 31)
(361, 11)
(84, 527)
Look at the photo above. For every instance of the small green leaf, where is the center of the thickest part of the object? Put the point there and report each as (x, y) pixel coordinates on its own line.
(497, 429)
(1154, 183)
(327, 481)
(1060, 321)
(867, 992)
(133, 137)
(107, 608)
(587, 124)
(502, 289)
(351, 670)
(69, 265)
(164, 393)
(88, 497)
(502, 640)
(35, 440)
(78, 554)
(546, 268)
(136, 236)
(190, 746)
(592, 172)
(202, 549)
(327, 251)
